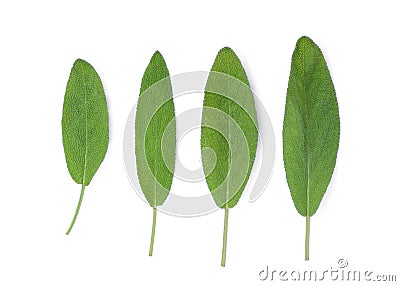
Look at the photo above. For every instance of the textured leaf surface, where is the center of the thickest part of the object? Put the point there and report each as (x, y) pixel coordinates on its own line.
(229, 131)
(84, 122)
(155, 132)
(311, 127)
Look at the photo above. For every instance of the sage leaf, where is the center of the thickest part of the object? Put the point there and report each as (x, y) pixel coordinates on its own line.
(84, 126)
(229, 133)
(311, 130)
(155, 136)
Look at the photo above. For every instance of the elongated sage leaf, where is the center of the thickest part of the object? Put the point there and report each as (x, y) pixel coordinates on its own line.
(310, 131)
(155, 136)
(229, 133)
(84, 126)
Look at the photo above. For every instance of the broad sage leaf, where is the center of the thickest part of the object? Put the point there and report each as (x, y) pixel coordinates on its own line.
(229, 133)
(155, 136)
(311, 130)
(84, 126)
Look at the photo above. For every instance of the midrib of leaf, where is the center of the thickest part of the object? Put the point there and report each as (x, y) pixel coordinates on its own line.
(155, 172)
(305, 135)
(307, 143)
(229, 140)
(155, 181)
(86, 137)
(305, 126)
(230, 157)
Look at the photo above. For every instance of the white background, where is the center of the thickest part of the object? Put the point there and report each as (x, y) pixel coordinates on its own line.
(358, 219)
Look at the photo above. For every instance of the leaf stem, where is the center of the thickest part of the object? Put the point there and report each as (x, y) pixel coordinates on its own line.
(307, 238)
(153, 231)
(77, 209)
(225, 237)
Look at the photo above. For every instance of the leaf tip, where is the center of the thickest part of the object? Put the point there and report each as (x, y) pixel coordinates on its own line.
(82, 64)
(80, 61)
(157, 56)
(227, 51)
(305, 41)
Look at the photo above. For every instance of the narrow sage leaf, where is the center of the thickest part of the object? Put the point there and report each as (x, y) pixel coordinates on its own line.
(311, 130)
(229, 133)
(84, 126)
(155, 136)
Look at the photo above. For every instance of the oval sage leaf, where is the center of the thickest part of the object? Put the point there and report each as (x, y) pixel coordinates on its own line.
(311, 130)
(155, 136)
(84, 126)
(229, 133)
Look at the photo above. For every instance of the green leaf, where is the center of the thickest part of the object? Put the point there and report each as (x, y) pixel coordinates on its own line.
(84, 125)
(311, 129)
(155, 135)
(229, 132)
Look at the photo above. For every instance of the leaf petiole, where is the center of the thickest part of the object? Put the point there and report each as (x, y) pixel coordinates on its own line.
(153, 231)
(77, 209)
(307, 238)
(225, 237)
